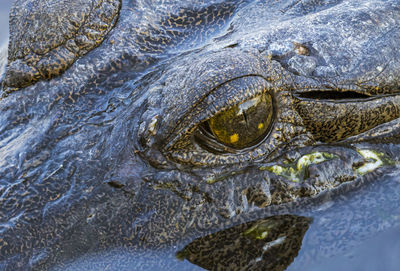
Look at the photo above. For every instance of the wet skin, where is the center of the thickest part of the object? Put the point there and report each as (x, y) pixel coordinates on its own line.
(129, 131)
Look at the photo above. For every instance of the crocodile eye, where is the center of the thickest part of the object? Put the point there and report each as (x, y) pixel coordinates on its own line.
(243, 125)
(245, 119)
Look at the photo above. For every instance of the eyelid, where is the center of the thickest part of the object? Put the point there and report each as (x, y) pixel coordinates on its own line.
(237, 91)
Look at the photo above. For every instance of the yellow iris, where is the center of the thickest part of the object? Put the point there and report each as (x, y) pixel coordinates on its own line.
(244, 124)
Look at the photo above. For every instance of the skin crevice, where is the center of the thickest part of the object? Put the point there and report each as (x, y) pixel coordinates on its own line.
(333, 95)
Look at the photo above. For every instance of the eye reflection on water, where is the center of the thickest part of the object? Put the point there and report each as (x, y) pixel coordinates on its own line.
(269, 244)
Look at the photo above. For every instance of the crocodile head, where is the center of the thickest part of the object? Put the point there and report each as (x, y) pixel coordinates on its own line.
(171, 126)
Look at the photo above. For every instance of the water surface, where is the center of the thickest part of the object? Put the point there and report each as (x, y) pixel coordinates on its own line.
(5, 6)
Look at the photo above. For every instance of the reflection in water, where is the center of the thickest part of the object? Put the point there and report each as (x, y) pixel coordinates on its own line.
(267, 244)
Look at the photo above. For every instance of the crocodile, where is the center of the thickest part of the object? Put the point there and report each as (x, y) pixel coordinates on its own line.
(212, 131)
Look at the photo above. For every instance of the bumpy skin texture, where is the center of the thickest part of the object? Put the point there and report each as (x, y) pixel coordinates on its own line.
(48, 36)
(105, 156)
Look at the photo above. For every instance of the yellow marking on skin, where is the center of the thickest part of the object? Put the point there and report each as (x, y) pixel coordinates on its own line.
(374, 161)
(295, 171)
(313, 158)
(234, 138)
(260, 126)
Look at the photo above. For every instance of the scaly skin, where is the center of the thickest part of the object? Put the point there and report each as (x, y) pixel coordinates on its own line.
(99, 144)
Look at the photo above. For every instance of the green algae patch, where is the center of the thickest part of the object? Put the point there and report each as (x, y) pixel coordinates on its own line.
(287, 172)
(295, 171)
(374, 160)
(313, 158)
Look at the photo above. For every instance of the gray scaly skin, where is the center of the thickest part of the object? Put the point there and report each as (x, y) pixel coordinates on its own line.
(102, 102)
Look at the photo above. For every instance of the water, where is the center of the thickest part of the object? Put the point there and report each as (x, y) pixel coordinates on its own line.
(367, 223)
(5, 6)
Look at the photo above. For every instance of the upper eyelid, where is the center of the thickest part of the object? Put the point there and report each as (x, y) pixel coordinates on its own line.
(194, 76)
